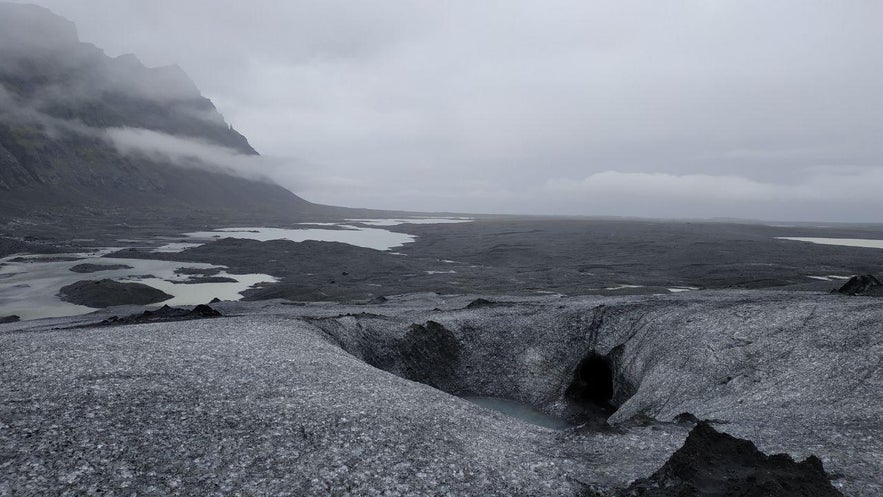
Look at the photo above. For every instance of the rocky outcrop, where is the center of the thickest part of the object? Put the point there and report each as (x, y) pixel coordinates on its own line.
(106, 293)
(94, 268)
(479, 303)
(864, 284)
(163, 314)
(9, 319)
(714, 464)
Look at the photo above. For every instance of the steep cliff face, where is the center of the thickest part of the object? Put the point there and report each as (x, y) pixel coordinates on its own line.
(58, 99)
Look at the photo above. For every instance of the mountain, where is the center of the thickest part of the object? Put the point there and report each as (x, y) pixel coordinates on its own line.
(65, 103)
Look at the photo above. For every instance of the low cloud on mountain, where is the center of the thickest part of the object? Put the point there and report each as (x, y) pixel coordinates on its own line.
(536, 103)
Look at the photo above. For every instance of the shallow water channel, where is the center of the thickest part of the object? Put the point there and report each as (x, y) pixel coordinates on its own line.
(520, 411)
(29, 284)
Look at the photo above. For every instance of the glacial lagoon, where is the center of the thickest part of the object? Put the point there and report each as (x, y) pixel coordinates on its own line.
(843, 242)
(29, 284)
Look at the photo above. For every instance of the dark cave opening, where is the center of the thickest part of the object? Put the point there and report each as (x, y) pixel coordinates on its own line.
(592, 388)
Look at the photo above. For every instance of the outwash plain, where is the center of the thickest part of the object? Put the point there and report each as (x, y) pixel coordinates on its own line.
(170, 329)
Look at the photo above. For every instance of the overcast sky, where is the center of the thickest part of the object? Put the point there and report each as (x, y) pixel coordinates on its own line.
(701, 108)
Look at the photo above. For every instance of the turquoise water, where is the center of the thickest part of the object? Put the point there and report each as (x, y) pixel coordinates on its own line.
(519, 410)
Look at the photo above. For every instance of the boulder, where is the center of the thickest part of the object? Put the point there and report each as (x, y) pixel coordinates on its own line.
(714, 464)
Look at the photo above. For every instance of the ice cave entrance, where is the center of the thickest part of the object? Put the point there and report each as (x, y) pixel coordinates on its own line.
(593, 383)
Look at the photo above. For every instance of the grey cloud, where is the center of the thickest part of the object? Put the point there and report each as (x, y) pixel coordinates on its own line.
(857, 185)
(412, 104)
(28, 111)
(47, 47)
(199, 154)
(162, 147)
(7, 100)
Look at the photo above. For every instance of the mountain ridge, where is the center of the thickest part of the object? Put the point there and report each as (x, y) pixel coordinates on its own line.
(59, 97)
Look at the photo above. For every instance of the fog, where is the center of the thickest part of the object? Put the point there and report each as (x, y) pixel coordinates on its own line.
(200, 154)
(663, 109)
